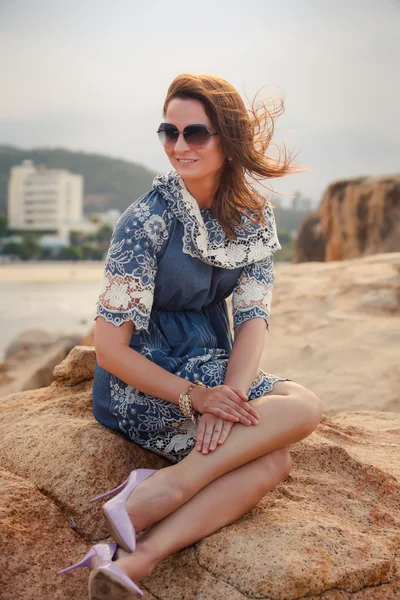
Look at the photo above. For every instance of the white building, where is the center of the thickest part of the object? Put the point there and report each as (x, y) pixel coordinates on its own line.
(41, 199)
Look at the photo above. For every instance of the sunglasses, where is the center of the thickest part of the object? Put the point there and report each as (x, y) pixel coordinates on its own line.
(196, 136)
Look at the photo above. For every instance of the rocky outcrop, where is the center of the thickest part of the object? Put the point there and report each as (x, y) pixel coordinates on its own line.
(335, 328)
(36, 540)
(78, 368)
(31, 358)
(38, 340)
(58, 446)
(357, 217)
(330, 531)
(310, 243)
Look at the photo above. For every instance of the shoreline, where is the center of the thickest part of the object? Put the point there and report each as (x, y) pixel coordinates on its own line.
(90, 271)
(51, 271)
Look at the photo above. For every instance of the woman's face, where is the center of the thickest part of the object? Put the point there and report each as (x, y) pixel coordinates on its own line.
(203, 162)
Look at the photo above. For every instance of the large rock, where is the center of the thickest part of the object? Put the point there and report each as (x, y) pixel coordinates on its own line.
(310, 243)
(36, 542)
(39, 340)
(31, 358)
(330, 531)
(358, 217)
(56, 443)
(335, 328)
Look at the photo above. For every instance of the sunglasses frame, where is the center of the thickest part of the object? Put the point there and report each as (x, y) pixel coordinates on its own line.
(184, 133)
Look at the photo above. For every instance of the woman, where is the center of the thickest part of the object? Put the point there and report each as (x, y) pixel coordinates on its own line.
(201, 234)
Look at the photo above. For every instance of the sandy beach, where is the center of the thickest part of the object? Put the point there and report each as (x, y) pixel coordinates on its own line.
(51, 272)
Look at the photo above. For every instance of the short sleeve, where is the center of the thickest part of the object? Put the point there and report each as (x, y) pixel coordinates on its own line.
(127, 288)
(252, 294)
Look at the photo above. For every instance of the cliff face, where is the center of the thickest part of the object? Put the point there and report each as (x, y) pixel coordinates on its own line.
(310, 243)
(357, 217)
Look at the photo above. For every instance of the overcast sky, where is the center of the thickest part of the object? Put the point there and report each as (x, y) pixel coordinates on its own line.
(92, 75)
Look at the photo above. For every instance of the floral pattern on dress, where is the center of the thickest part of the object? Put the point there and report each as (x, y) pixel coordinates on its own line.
(127, 289)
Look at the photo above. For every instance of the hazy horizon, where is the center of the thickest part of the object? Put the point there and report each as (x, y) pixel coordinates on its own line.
(90, 77)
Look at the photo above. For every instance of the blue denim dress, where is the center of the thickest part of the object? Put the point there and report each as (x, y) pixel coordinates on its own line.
(169, 270)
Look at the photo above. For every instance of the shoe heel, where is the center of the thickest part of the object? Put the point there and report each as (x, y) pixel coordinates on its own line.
(85, 562)
(117, 489)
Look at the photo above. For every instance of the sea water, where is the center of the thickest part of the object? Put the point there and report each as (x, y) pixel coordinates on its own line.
(65, 307)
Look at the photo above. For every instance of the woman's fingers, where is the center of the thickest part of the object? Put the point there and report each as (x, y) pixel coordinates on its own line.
(226, 428)
(221, 411)
(246, 406)
(229, 412)
(212, 431)
(211, 435)
(214, 437)
(207, 438)
(225, 411)
(227, 403)
(241, 395)
(241, 410)
(201, 428)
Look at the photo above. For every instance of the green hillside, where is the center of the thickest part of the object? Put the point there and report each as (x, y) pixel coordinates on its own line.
(122, 181)
(119, 182)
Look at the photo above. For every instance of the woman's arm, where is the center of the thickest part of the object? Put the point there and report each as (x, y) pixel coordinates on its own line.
(115, 356)
(246, 353)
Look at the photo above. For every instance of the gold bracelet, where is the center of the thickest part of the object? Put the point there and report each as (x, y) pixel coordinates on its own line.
(185, 401)
(185, 404)
(196, 383)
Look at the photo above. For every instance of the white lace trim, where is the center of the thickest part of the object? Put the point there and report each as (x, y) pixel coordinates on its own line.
(207, 241)
(125, 294)
(252, 295)
(127, 288)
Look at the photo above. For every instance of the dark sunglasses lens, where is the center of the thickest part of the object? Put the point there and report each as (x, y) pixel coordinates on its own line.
(168, 134)
(196, 135)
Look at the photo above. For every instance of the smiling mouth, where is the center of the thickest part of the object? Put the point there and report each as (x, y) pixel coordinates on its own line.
(184, 161)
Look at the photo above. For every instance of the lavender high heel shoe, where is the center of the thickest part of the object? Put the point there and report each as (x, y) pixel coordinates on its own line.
(106, 578)
(115, 513)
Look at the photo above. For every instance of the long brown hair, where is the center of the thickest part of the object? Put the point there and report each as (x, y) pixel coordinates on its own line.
(245, 136)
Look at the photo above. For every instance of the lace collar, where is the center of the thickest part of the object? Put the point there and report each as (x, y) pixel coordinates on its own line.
(206, 240)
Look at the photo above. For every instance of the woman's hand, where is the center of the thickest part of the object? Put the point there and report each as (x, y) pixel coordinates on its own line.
(211, 432)
(224, 402)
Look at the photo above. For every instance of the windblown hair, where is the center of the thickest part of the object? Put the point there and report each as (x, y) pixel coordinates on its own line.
(245, 136)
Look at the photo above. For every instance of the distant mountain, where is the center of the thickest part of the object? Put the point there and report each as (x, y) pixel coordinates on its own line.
(109, 182)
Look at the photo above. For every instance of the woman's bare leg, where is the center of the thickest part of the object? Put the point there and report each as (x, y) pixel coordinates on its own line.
(287, 416)
(218, 504)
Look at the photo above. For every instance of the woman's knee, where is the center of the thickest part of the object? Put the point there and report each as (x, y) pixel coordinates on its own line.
(277, 465)
(311, 410)
(305, 406)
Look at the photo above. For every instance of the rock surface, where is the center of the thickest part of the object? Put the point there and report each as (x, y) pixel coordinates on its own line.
(31, 358)
(358, 217)
(310, 243)
(335, 329)
(56, 443)
(330, 531)
(36, 541)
